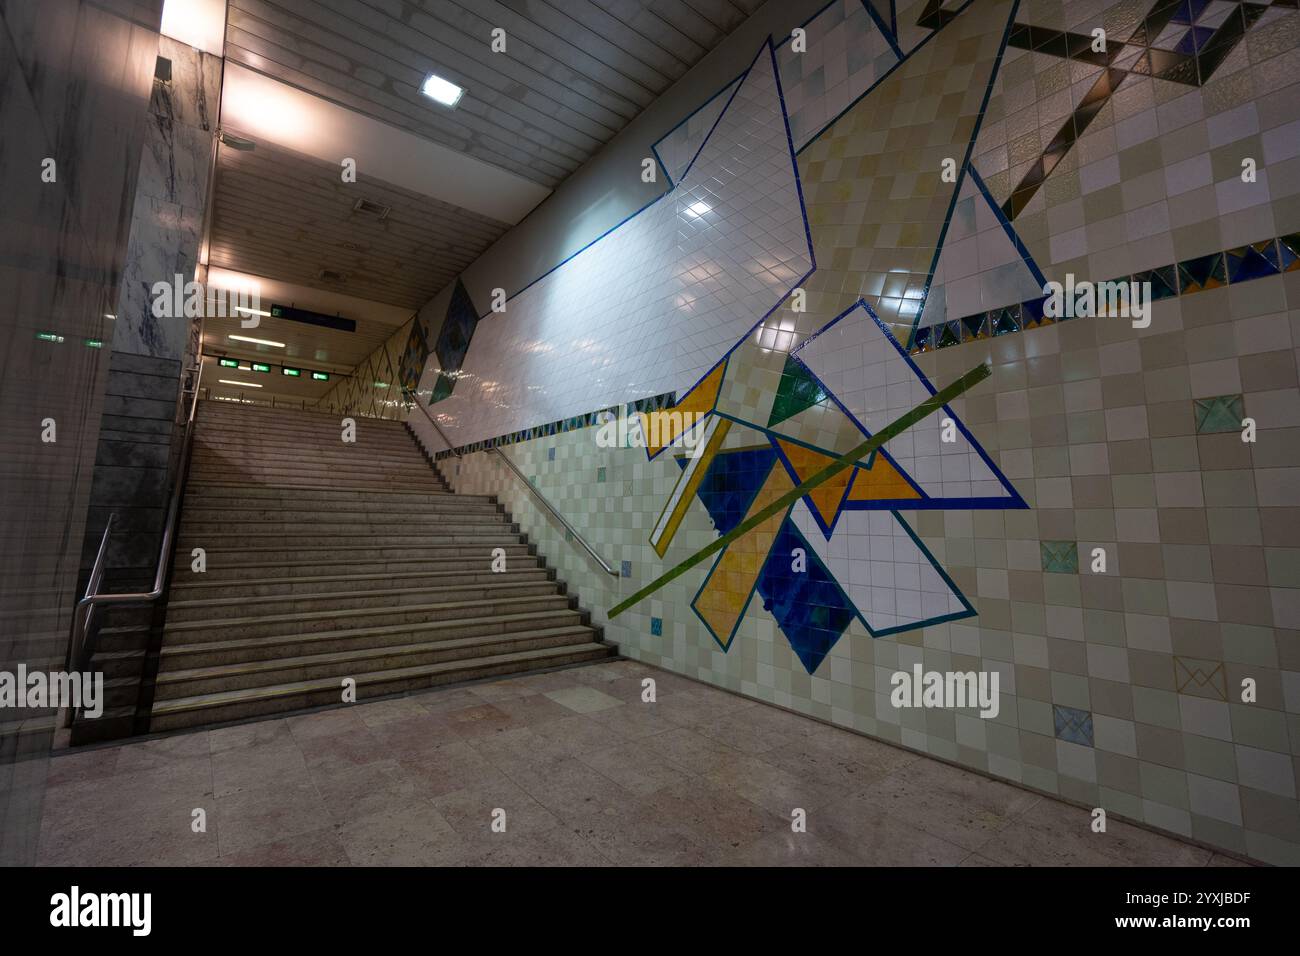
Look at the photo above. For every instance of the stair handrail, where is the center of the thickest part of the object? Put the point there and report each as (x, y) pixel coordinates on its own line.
(552, 509)
(441, 434)
(83, 614)
(573, 532)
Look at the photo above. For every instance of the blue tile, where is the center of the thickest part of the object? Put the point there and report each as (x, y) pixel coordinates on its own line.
(657, 626)
(627, 569)
(1072, 724)
(809, 607)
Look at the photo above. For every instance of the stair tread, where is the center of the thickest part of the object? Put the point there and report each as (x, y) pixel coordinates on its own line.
(347, 612)
(207, 647)
(362, 653)
(339, 578)
(274, 492)
(200, 701)
(329, 595)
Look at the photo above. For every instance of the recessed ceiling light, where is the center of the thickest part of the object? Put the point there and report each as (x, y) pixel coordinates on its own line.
(245, 338)
(697, 209)
(231, 381)
(443, 91)
(248, 311)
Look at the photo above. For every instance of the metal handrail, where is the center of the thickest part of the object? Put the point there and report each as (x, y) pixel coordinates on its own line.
(531, 487)
(441, 434)
(558, 517)
(83, 614)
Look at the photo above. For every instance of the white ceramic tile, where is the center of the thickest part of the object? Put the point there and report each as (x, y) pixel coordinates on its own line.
(862, 365)
(652, 306)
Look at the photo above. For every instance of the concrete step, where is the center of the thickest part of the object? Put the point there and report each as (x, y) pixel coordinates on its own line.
(326, 583)
(361, 512)
(327, 560)
(116, 639)
(378, 522)
(313, 557)
(300, 457)
(310, 622)
(228, 411)
(345, 598)
(379, 473)
(466, 535)
(278, 698)
(432, 485)
(327, 436)
(229, 568)
(225, 495)
(339, 664)
(292, 643)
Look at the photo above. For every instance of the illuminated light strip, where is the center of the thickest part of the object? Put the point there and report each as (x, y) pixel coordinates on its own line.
(231, 381)
(245, 338)
(894, 428)
(687, 484)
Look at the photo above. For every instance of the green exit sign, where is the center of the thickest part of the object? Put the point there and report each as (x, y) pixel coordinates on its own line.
(259, 367)
(49, 337)
(291, 371)
(229, 363)
(320, 376)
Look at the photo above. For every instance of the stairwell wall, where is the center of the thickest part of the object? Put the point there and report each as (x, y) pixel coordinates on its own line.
(1162, 685)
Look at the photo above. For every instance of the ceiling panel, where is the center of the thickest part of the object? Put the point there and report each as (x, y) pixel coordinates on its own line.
(574, 72)
(280, 214)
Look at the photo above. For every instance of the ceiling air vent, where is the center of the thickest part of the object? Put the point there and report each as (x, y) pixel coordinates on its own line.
(331, 275)
(372, 208)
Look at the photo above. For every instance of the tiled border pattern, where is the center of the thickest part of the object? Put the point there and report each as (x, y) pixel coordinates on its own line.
(1258, 260)
(651, 404)
(1138, 55)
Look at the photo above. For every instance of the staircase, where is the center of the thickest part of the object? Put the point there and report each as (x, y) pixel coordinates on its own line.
(328, 560)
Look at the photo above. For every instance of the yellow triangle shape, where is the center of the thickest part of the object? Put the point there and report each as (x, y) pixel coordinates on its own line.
(827, 496)
(660, 429)
(881, 482)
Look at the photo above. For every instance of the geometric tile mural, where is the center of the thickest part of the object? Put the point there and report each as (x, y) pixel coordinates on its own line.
(842, 551)
(1123, 167)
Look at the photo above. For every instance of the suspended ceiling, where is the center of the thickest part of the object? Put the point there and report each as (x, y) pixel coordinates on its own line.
(573, 74)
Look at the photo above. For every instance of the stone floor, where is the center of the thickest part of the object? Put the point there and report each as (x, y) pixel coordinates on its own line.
(586, 773)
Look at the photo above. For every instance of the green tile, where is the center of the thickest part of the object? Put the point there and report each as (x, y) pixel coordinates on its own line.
(1222, 413)
(1060, 557)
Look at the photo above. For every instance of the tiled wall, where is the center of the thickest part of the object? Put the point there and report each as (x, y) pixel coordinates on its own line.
(1123, 687)
(378, 386)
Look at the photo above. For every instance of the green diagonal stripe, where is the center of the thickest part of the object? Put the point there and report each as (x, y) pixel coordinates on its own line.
(896, 427)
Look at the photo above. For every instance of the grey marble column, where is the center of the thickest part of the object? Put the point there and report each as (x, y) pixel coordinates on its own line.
(172, 193)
